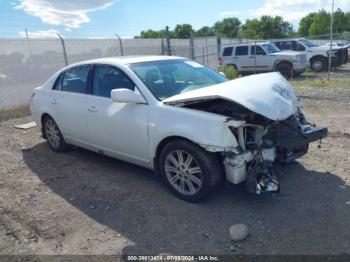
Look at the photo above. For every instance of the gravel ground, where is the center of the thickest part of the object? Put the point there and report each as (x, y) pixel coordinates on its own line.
(84, 203)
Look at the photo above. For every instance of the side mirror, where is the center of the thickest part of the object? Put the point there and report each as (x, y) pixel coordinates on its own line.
(124, 95)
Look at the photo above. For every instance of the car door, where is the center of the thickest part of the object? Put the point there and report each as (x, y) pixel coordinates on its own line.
(241, 58)
(259, 58)
(68, 102)
(118, 129)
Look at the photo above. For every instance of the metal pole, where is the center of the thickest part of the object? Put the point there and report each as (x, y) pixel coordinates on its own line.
(64, 49)
(30, 48)
(120, 44)
(168, 40)
(206, 49)
(255, 57)
(191, 47)
(330, 44)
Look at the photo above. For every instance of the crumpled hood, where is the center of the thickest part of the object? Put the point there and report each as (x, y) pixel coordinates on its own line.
(269, 95)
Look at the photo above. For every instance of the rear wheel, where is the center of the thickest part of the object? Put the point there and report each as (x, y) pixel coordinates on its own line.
(189, 171)
(286, 69)
(53, 135)
(318, 64)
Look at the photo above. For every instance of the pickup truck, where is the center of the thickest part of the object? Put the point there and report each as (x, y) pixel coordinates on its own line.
(317, 56)
(263, 57)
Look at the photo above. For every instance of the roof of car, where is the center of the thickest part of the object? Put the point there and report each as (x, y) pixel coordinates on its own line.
(127, 60)
(244, 44)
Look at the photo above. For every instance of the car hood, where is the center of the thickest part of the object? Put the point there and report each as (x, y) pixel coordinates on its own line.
(286, 53)
(269, 95)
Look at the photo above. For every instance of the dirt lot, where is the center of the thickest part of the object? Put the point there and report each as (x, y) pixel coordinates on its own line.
(84, 203)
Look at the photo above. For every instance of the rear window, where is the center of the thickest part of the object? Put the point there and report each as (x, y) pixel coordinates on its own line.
(241, 50)
(227, 51)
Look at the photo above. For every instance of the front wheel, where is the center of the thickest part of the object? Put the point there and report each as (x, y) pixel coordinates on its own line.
(189, 171)
(318, 64)
(286, 69)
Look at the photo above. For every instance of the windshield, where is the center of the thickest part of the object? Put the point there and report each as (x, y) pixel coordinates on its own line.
(271, 48)
(172, 77)
(307, 42)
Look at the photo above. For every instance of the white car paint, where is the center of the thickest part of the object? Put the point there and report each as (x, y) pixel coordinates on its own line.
(144, 125)
(273, 96)
(133, 131)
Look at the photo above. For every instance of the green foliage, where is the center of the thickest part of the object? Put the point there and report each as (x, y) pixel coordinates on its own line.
(267, 27)
(319, 23)
(205, 31)
(183, 31)
(229, 71)
(228, 27)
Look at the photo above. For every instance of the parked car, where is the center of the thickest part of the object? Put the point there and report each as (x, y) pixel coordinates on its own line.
(178, 117)
(267, 58)
(317, 56)
(344, 45)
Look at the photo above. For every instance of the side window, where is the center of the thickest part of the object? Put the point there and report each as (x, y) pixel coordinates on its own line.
(287, 45)
(259, 50)
(57, 85)
(227, 51)
(75, 79)
(106, 78)
(297, 46)
(241, 50)
(278, 44)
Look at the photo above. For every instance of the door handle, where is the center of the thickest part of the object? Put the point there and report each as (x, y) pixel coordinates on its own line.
(92, 109)
(54, 102)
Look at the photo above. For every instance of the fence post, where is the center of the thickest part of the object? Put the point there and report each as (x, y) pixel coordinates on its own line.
(120, 44)
(163, 47)
(191, 47)
(167, 35)
(64, 49)
(218, 43)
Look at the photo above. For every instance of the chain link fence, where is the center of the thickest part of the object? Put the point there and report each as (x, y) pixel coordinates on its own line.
(28, 63)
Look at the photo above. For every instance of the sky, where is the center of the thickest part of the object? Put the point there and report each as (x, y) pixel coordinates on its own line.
(127, 18)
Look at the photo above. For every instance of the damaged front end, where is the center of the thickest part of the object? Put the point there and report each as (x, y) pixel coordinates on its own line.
(273, 127)
(262, 143)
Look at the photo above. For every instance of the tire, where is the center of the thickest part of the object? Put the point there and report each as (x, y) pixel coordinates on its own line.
(189, 171)
(286, 69)
(318, 64)
(53, 135)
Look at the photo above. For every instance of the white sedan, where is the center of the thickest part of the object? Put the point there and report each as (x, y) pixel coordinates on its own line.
(177, 117)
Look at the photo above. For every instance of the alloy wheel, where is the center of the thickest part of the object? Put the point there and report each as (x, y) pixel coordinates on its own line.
(183, 172)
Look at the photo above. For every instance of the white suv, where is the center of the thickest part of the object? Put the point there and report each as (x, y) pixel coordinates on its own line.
(266, 58)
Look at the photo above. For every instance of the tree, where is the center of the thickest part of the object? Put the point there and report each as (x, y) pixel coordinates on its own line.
(321, 23)
(205, 31)
(305, 24)
(151, 34)
(183, 31)
(267, 27)
(228, 27)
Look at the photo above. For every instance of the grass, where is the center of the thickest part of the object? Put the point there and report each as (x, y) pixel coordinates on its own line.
(20, 111)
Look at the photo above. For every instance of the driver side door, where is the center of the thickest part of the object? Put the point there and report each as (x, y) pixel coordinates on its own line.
(116, 129)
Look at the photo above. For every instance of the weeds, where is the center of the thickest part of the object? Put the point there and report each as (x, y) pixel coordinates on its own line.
(20, 111)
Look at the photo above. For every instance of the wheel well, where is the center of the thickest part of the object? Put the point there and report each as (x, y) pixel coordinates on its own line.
(317, 56)
(42, 124)
(167, 140)
(283, 62)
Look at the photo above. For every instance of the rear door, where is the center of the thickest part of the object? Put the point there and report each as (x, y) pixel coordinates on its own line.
(68, 102)
(242, 59)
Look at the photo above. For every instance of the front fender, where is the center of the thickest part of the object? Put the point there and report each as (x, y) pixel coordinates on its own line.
(211, 131)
